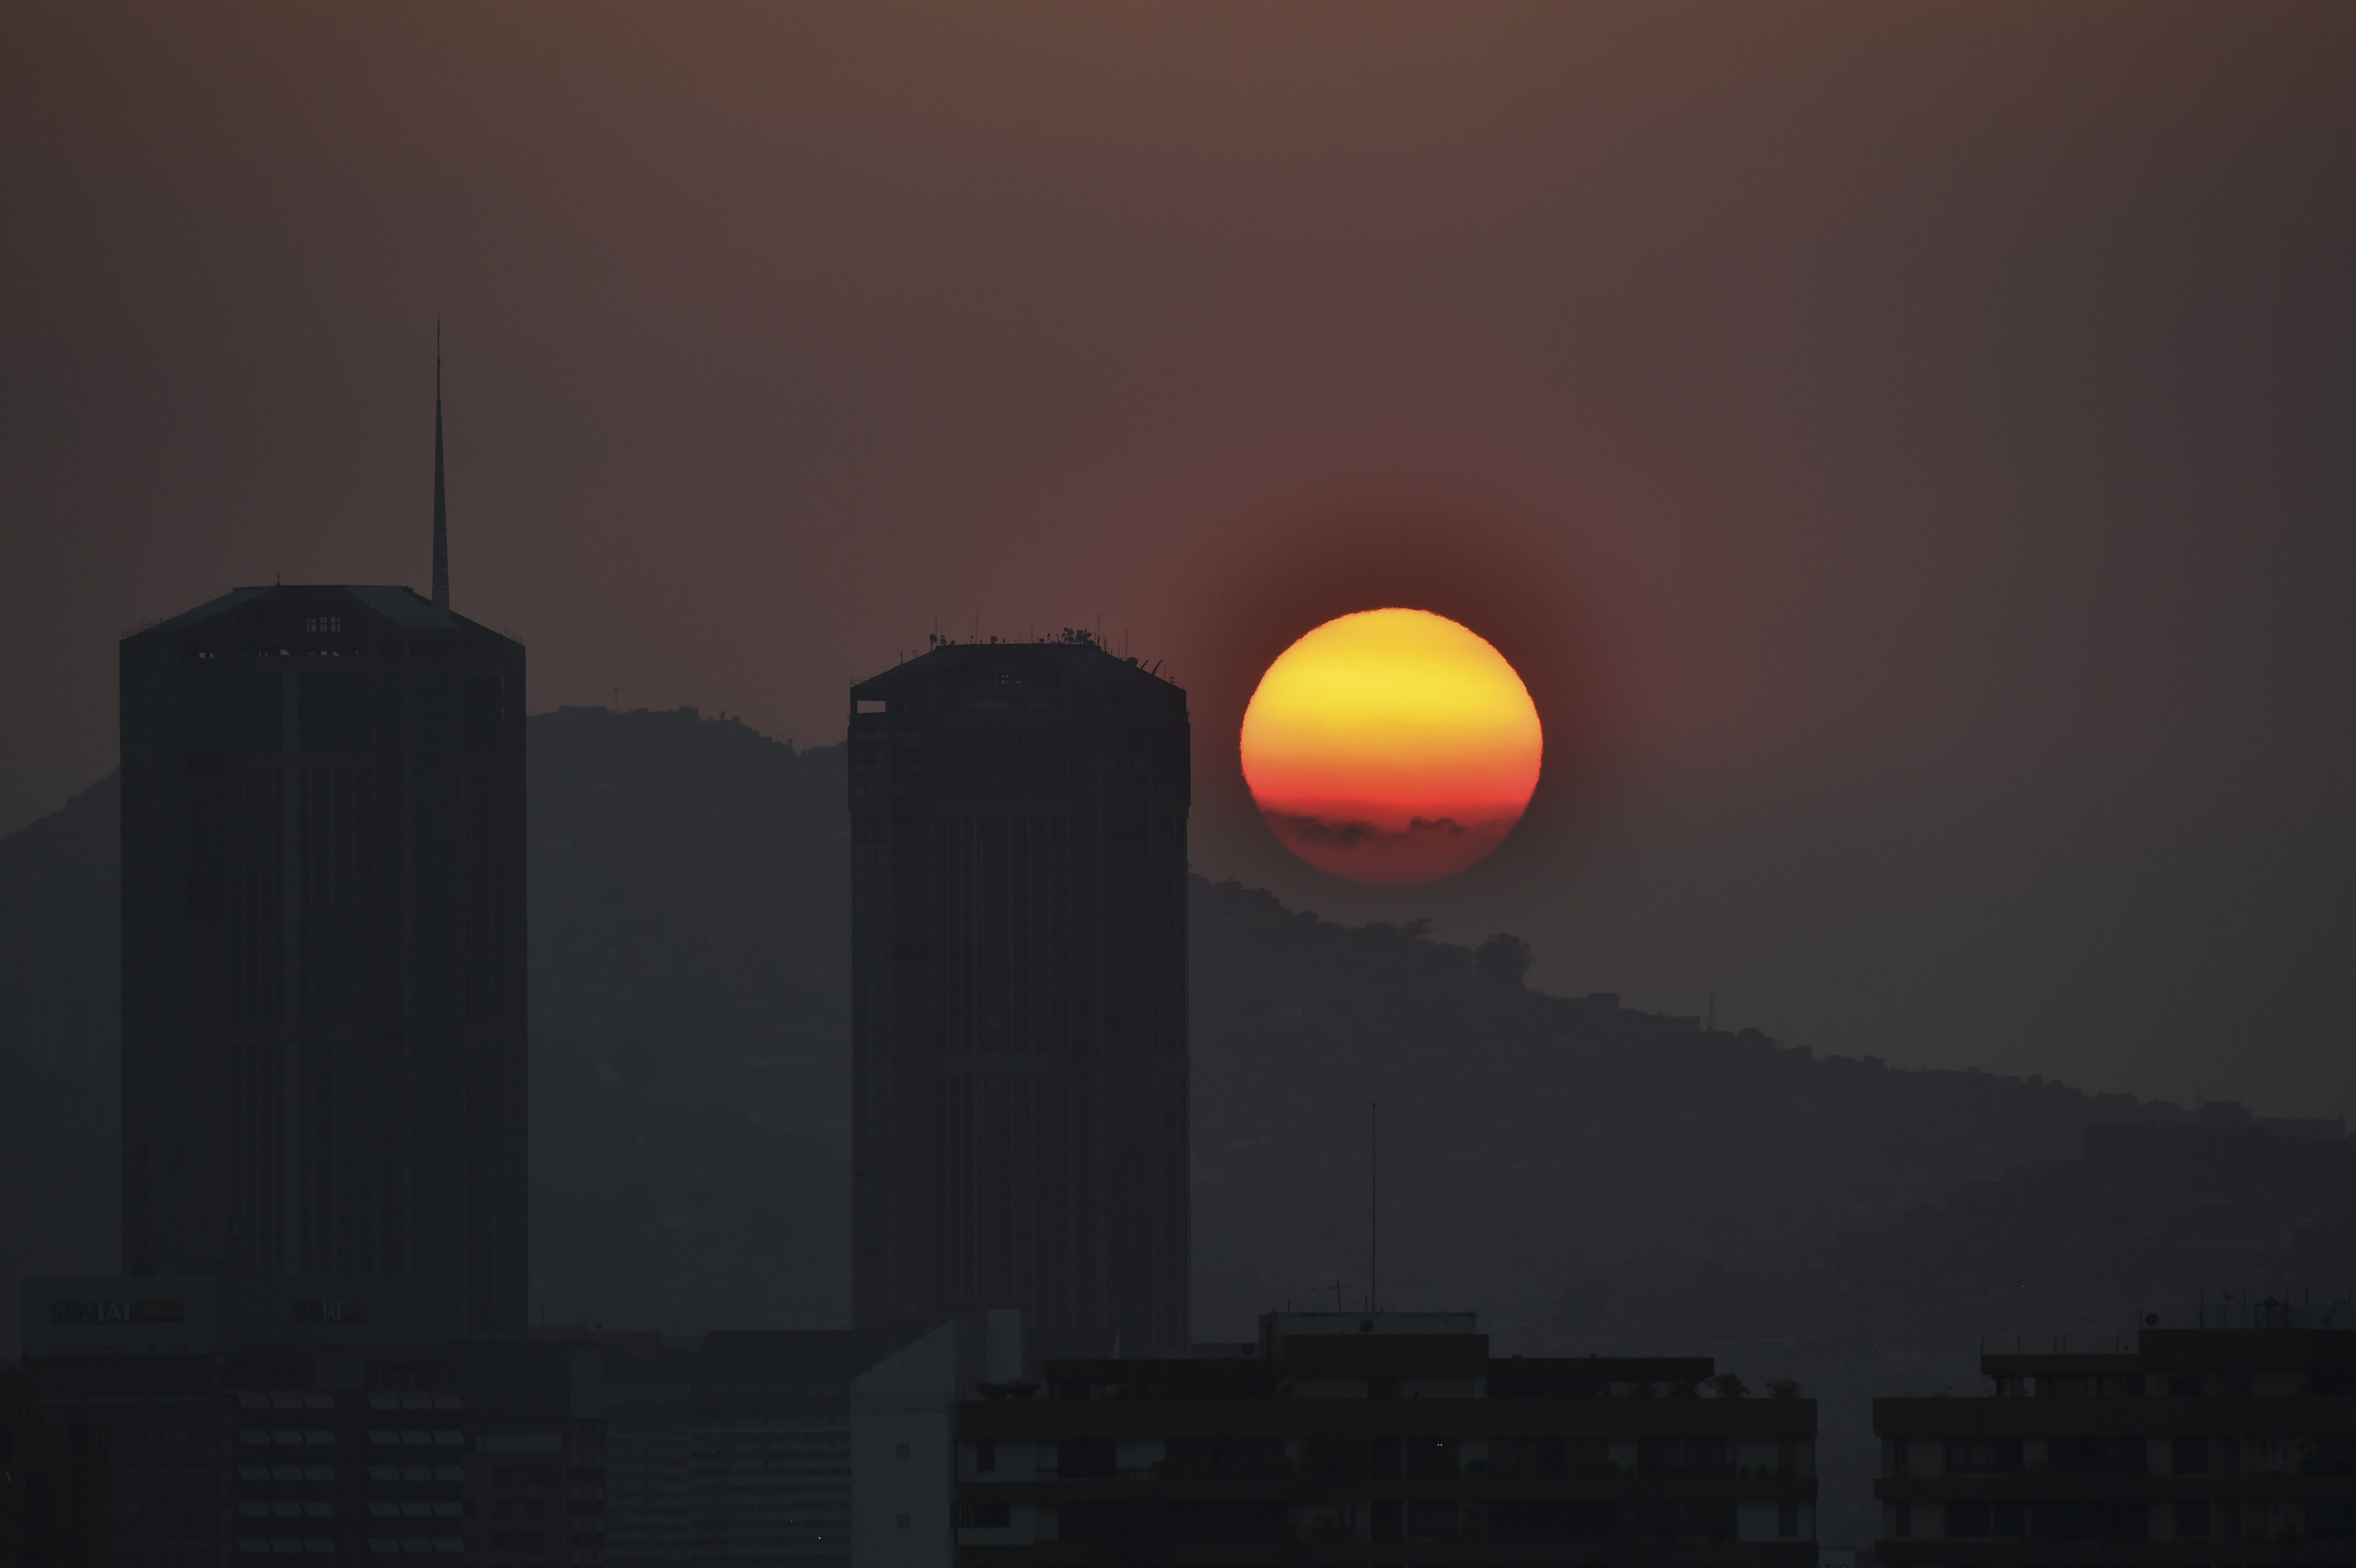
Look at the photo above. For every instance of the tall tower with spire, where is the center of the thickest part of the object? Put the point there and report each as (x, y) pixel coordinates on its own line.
(323, 941)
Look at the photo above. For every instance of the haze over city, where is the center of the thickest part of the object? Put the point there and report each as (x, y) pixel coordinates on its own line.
(1910, 444)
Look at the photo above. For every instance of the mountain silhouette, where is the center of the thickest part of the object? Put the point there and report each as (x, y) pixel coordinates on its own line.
(690, 1085)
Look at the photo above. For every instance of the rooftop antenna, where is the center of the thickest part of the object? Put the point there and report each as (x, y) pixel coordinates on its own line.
(441, 505)
(1374, 1199)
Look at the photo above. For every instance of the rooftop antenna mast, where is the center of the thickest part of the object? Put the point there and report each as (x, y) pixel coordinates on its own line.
(441, 504)
(1374, 1200)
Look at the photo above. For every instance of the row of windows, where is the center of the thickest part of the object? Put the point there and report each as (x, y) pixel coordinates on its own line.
(537, 1507)
(279, 645)
(285, 1472)
(2175, 1385)
(2104, 1519)
(2195, 1455)
(1419, 1520)
(330, 627)
(2116, 1519)
(1498, 1386)
(528, 1476)
(1097, 1458)
(376, 1474)
(286, 1545)
(348, 711)
(417, 1437)
(441, 1507)
(544, 1540)
(321, 1436)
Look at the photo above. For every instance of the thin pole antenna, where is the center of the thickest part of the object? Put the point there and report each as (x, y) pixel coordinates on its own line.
(441, 505)
(1374, 1200)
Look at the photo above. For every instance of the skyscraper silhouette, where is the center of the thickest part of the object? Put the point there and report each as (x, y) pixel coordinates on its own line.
(323, 941)
(1019, 1003)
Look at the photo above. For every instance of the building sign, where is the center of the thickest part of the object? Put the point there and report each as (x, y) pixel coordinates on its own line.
(148, 1309)
(181, 1313)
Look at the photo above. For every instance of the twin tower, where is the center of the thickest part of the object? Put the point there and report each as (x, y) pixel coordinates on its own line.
(1019, 1012)
(324, 987)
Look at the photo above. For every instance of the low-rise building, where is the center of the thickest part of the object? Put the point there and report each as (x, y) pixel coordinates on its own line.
(1386, 1437)
(244, 1416)
(2199, 1446)
(904, 1440)
(729, 1448)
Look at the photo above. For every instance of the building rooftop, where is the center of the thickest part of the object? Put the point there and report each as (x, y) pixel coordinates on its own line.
(1001, 673)
(403, 607)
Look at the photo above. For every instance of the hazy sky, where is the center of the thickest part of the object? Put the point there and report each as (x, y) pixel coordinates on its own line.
(1911, 453)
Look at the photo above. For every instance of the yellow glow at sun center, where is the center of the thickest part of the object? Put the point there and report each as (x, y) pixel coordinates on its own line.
(1391, 746)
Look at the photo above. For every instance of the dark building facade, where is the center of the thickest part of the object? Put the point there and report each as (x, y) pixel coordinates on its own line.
(244, 1416)
(535, 1472)
(1019, 1012)
(52, 1484)
(1391, 1438)
(725, 1448)
(323, 944)
(2210, 1446)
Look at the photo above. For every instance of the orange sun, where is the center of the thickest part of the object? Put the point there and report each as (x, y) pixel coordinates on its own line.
(1391, 746)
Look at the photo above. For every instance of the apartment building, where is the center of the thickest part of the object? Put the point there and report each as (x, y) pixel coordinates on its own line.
(2212, 1446)
(1385, 1437)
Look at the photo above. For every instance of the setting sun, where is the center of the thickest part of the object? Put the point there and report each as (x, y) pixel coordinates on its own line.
(1391, 746)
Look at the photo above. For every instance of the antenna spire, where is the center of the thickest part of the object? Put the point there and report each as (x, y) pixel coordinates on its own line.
(441, 504)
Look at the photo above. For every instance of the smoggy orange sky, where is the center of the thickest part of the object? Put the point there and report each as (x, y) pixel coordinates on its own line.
(1904, 450)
